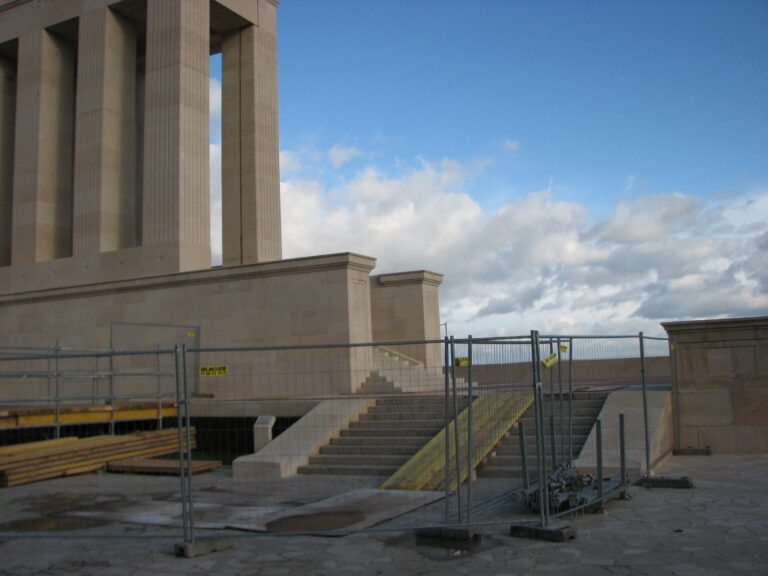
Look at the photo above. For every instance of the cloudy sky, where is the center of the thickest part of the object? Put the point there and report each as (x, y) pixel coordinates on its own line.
(573, 167)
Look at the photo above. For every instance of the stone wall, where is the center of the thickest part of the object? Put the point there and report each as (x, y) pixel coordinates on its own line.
(721, 384)
(585, 372)
(308, 301)
(406, 306)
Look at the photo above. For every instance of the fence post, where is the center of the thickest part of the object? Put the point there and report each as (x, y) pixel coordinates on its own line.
(159, 391)
(541, 463)
(599, 446)
(570, 402)
(622, 456)
(469, 428)
(182, 451)
(456, 433)
(57, 392)
(645, 409)
(188, 447)
(447, 365)
(560, 393)
(523, 454)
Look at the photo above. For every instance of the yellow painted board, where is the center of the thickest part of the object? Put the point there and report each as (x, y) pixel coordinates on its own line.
(34, 446)
(19, 477)
(91, 417)
(92, 443)
(426, 470)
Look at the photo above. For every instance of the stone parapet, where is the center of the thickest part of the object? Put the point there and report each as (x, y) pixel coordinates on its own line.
(405, 307)
(720, 380)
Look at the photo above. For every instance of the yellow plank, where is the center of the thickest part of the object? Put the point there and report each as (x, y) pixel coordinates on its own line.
(493, 416)
(34, 446)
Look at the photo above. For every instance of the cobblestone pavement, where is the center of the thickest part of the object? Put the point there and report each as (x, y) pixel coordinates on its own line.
(720, 527)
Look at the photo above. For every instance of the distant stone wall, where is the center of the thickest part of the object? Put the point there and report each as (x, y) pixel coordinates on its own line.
(585, 372)
(721, 384)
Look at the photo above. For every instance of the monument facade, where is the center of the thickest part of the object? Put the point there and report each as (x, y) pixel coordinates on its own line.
(104, 188)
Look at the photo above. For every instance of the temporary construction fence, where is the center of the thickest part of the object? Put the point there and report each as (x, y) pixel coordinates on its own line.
(325, 439)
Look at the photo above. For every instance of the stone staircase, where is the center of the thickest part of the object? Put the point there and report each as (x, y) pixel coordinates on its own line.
(384, 438)
(506, 461)
(393, 372)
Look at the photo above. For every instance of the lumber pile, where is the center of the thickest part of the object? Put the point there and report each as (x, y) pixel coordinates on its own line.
(34, 417)
(26, 463)
(159, 466)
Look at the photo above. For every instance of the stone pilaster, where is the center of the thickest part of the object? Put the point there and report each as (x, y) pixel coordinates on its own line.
(42, 202)
(250, 150)
(105, 145)
(7, 120)
(176, 209)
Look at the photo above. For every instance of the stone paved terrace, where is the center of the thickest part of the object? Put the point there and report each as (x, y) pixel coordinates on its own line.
(718, 528)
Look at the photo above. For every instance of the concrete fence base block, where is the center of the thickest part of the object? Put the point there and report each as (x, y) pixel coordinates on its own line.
(453, 534)
(549, 533)
(201, 547)
(666, 482)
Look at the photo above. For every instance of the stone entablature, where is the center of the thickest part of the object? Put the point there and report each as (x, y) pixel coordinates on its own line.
(720, 379)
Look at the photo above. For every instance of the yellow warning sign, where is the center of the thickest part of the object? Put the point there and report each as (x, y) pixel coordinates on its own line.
(213, 370)
(549, 361)
(191, 334)
(462, 361)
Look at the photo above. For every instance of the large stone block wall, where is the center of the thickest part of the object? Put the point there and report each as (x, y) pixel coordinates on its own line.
(721, 384)
(585, 372)
(309, 301)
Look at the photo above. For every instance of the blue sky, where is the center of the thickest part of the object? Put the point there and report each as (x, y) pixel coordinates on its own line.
(590, 166)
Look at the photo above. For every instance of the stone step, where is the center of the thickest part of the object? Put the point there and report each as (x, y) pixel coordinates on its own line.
(384, 471)
(396, 424)
(401, 416)
(358, 460)
(415, 442)
(417, 401)
(388, 432)
(382, 449)
(407, 410)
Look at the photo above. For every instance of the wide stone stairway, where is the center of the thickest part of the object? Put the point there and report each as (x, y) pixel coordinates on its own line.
(506, 462)
(384, 438)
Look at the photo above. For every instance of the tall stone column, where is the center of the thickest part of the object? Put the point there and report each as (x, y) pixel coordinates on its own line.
(42, 198)
(250, 151)
(176, 209)
(7, 120)
(105, 142)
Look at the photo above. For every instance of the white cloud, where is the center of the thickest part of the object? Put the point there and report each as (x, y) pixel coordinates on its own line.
(215, 188)
(290, 163)
(538, 261)
(339, 155)
(214, 103)
(512, 145)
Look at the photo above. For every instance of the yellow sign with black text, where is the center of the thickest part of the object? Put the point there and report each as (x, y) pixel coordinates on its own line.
(550, 361)
(213, 370)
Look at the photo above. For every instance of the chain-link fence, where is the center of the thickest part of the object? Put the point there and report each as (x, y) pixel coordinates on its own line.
(190, 442)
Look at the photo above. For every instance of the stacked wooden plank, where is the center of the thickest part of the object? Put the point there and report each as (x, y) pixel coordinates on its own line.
(33, 417)
(69, 456)
(159, 466)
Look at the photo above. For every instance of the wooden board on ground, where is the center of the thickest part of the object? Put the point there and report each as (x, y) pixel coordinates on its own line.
(157, 466)
(40, 461)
